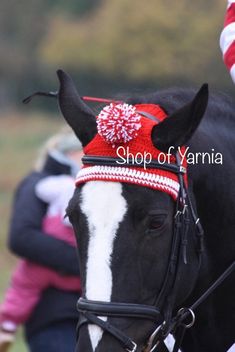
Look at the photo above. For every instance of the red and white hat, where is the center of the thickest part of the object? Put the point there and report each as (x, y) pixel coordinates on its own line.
(122, 125)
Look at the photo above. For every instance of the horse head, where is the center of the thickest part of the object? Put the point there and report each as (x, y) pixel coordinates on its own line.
(138, 242)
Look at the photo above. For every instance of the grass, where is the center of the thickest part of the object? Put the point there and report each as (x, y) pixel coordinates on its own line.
(20, 138)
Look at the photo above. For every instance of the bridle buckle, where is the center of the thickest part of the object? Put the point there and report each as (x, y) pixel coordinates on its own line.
(186, 312)
(182, 169)
(134, 347)
(150, 347)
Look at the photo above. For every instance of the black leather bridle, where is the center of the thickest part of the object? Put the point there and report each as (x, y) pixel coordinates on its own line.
(90, 311)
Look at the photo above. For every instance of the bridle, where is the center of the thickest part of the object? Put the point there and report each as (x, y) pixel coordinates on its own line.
(91, 311)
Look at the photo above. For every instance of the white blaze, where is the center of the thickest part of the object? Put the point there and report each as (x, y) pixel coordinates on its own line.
(104, 207)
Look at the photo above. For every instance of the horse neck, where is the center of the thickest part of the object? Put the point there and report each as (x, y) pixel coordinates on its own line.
(215, 312)
(213, 189)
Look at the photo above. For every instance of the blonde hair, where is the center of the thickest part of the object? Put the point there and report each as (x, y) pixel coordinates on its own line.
(64, 141)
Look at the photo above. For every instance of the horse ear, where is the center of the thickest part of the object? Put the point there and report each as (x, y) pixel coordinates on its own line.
(179, 127)
(78, 115)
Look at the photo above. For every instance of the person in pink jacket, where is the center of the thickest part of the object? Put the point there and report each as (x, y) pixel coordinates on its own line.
(29, 280)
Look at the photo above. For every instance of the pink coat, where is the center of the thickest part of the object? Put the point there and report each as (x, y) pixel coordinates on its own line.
(29, 280)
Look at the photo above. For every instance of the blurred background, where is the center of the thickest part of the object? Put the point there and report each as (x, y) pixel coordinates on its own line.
(109, 47)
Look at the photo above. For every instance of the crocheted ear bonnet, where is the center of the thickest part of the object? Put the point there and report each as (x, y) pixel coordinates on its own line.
(125, 133)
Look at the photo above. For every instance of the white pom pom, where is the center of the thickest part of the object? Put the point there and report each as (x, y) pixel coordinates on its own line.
(118, 123)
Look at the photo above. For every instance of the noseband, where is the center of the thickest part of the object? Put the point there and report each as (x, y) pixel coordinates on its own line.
(91, 311)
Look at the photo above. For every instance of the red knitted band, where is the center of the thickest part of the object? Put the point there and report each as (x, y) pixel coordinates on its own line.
(122, 131)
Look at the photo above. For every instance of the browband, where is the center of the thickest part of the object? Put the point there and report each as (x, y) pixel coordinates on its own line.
(117, 162)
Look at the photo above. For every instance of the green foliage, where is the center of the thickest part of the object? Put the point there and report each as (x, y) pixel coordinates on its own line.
(78, 8)
(131, 43)
(23, 24)
(141, 41)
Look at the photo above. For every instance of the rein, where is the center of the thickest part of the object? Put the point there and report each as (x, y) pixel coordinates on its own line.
(177, 322)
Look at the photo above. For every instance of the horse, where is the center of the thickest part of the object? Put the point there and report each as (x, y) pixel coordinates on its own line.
(144, 258)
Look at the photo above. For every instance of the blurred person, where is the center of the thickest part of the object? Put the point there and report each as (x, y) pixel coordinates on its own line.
(29, 279)
(46, 284)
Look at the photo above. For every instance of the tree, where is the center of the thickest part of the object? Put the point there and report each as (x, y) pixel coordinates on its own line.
(23, 24)
(139, 40)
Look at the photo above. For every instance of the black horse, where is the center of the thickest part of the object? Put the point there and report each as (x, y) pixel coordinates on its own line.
(126, 232)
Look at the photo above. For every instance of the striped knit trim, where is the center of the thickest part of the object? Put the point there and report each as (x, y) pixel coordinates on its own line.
(230, 2)
(229, 18)
(227, 38)
(232, 72)
(128, 175)
(229, 56)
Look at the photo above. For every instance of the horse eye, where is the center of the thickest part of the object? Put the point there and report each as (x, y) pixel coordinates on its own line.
(156, 223)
